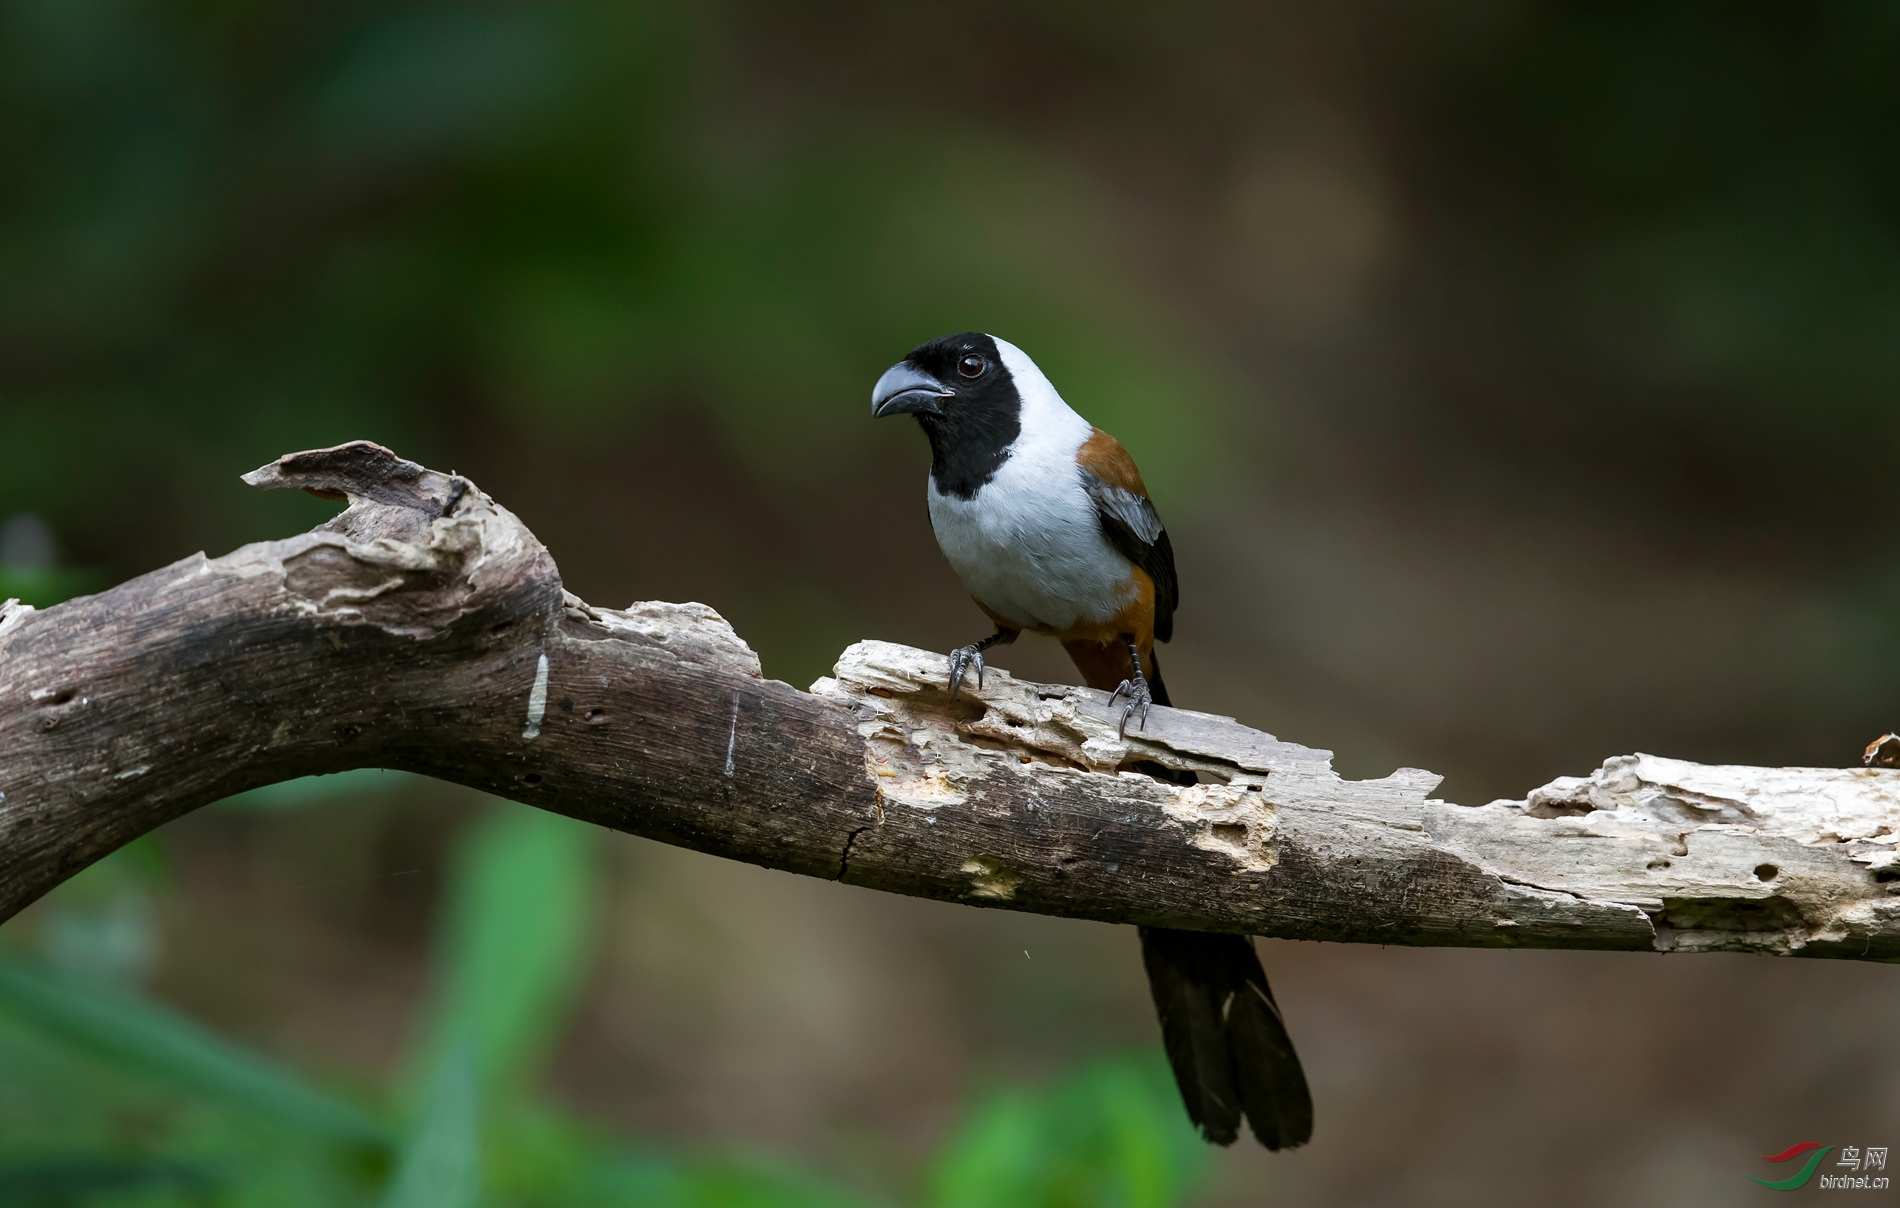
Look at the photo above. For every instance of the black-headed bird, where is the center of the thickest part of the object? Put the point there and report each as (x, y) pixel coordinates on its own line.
(1045, 520)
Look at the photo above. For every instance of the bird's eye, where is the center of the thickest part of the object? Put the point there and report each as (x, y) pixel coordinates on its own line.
(971, 365)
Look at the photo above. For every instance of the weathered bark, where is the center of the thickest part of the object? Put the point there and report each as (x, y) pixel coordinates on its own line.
(426, 629)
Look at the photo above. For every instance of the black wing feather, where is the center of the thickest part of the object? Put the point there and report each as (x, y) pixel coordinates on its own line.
(1133, 527)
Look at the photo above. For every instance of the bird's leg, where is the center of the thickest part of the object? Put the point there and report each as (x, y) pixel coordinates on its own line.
(965, 657)
(1136, 686)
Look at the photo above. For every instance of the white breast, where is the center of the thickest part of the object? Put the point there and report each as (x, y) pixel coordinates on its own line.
(1028, 546)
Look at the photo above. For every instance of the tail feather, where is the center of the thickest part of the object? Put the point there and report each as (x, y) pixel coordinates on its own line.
(1225, 1039)
(1222, 1030)
(1157, 689)
(1273, 1094)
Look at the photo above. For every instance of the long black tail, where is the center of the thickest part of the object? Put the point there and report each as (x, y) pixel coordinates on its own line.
(1225, 1039)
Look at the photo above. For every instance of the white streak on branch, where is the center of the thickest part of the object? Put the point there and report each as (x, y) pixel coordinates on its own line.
(732, 735)
(537, 699)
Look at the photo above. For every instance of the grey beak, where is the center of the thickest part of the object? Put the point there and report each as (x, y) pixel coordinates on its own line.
(906, 391)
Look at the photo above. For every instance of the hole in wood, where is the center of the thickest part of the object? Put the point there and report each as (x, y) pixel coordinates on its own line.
(1231, 832)
(1766, 872)
(533, 778)
(965, 709)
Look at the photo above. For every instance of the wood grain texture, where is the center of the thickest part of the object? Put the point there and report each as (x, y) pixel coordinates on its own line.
(425, 629)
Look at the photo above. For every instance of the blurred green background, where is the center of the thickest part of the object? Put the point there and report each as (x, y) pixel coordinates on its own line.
(1516, 379)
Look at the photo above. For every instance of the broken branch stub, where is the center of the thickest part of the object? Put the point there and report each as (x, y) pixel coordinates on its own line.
(425, 629)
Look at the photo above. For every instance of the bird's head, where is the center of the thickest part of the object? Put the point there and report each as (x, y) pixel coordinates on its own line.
(946, 382)
(964, 391)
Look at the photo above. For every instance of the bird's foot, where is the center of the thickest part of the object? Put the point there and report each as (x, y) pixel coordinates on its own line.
(961, 660)
(1139, 698)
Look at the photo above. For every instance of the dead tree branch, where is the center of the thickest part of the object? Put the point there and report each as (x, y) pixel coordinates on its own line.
(426, 629)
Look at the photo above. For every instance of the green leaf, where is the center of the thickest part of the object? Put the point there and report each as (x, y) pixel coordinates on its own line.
(1111, 1135)
(441, 1164)
(996, 1152)
(716, 1181)
(520, 908)
(136, 1035)
(544, 1158)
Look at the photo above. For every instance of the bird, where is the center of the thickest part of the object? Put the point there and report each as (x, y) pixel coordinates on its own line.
(1046, 521)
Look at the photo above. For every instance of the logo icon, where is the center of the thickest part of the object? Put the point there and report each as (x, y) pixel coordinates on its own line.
(1790, 1154)
(1874, 1157)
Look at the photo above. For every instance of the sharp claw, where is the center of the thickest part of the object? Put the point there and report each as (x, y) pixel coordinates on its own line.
(1138, 698)
(961, 660)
